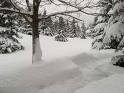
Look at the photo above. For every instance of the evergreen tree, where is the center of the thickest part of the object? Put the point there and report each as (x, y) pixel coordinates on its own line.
(78, 31)
(112, 35)
(100, 23)
(61, 26)
(5, 4)
(61, 23)
(47, 25)
(61, 36)
(67, 28)
(83, 30)
(55, 27)
(8, 41)
(114, 32)
(73, 29)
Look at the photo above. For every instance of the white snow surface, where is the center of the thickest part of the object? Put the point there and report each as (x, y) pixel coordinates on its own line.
(112, 84)
(66, 67)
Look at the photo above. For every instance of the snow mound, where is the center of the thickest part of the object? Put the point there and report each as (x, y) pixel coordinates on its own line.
(112, 84)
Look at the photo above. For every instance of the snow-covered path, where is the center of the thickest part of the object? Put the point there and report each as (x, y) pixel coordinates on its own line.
(38, 76)
(65, 68)
(58, 76)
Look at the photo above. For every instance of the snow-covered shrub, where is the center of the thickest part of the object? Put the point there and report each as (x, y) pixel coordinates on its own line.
(110, 26)
(118, 60)
(82, 36)
(114, 35)
(71, 35)
(89, 33)
(47, 32)
(25, 29)
(9, 25)
(98, 34)
(8, 41)
(97, 43)
(61, 37)
(98, 29)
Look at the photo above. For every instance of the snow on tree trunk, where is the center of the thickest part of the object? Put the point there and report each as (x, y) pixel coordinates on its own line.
(37, 53)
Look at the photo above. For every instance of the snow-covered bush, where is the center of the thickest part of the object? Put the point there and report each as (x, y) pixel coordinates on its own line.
(47, 32)
(82, 36)
(9, 26)
(8, 41)
(118, 60)
(111, 27)
(114, 35)
(98, 29)
(61, 37)
(113, 32)
(25, 29)
(97, 43)
(89, 33)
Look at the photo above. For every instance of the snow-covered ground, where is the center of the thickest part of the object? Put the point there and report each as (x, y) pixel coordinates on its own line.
(66, 67)
(112, 84)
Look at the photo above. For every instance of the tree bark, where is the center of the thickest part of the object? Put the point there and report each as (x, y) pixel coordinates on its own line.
(36, 50)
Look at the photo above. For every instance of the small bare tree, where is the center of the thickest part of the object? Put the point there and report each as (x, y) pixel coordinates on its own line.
(32, 15)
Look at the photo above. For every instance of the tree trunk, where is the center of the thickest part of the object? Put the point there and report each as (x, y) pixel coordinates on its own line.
(36, 50)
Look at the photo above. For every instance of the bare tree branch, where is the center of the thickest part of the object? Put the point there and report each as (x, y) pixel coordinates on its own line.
(59, 13)
(16, 11)
(27, 19)
(72, 17)
(28, 5)
(81, 8)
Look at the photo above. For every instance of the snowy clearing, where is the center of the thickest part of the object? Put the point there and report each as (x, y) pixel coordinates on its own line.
(66, 67)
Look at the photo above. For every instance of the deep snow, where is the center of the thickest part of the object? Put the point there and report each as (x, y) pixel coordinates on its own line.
(66, 67)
